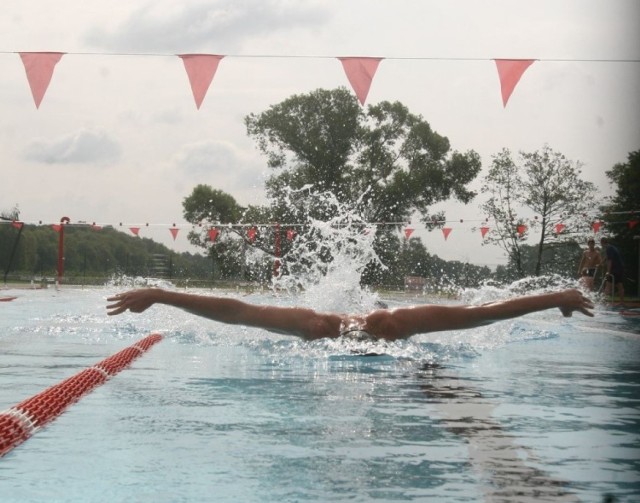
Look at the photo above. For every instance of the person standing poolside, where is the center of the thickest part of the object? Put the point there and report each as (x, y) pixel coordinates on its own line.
(614, 274)
(389, 324)
(589, 264)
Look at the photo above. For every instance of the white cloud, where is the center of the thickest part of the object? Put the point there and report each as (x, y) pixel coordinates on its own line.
(84, 146)
(176, 27)
(220, 164)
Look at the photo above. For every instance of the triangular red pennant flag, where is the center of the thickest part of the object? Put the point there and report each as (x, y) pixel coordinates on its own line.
(446, 231)
(39, 67)
(360, 72)
(291, 234)
(56, 227)
(632, 223)
(134, 230)
(174, 232)
(252, 234)
(407, 232)
(17, 225)
(521, 229)
(596, 226)
(559, 228)
(213, 234)
(483, 231)
(510, 71)
(201, 68)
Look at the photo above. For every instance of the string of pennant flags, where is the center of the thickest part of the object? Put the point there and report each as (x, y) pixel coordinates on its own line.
(251, 230)
(201, 69)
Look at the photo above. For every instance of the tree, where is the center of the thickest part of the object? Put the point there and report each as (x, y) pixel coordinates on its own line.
(502, 185)
(545, 183)
(384, 162)
(623, 210)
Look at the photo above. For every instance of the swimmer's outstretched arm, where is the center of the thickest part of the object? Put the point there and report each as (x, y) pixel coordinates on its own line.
(406, 322)
(296, 321)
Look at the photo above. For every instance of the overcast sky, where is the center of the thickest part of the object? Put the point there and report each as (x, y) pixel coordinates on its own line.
(118, 137)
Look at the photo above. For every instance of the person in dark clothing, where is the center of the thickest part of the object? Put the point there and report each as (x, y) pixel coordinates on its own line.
(614, 273)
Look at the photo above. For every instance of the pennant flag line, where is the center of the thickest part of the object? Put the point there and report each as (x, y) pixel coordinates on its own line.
(39, 68)
(201, 69)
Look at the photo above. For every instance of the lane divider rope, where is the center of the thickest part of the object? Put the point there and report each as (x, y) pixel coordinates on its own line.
(21, 421)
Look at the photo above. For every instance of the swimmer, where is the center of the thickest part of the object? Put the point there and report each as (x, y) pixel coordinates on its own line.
(589, 264)
(389, 324)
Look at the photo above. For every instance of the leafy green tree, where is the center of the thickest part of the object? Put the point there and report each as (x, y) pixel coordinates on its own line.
(622, 210)
(549, 185)
(502, 184)
(331, 157)
(384, 161)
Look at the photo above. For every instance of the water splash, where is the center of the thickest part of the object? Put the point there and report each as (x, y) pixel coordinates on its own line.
(327, 258)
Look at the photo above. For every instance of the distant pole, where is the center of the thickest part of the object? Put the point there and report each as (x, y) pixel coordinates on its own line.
(276, 264)
(63, 220)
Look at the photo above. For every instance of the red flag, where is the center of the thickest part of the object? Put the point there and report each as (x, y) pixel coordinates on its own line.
(483, 231)
(56, 227)
(521, 229)
(201, 68)
(360, 72)
(407, 232)
(135, 230)
(39, 67)
(446, 231)
(632, 223)
(213, 234)
(291, 234)
(96, 227)
(510, 71)
(252, 234)
(174, 232)
(17, 225)
(559, 228)
(596, 226)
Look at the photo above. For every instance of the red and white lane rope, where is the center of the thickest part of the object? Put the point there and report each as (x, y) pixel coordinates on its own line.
(21, 421)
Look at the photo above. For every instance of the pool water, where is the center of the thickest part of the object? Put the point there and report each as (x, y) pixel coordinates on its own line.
(538, 409)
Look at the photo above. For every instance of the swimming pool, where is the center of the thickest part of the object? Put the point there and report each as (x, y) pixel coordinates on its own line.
(539, 409)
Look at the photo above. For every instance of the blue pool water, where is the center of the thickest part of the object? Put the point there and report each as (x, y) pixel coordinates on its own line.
(538, 409)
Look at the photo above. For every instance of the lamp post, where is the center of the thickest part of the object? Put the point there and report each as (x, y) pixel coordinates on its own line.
(63, 221)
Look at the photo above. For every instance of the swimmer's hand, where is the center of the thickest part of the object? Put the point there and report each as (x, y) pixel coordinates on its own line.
(135, 301)
(574, 300)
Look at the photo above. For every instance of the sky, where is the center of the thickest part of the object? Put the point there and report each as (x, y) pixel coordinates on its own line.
(118, 138)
